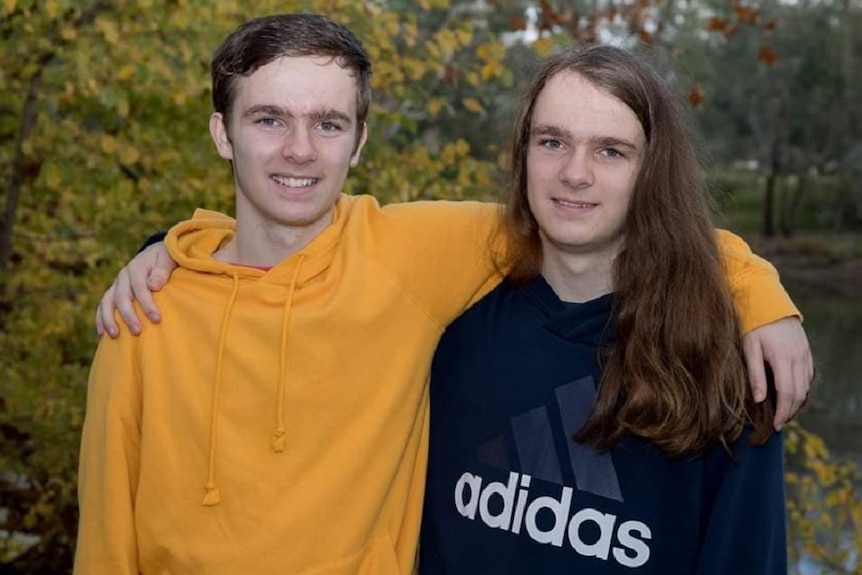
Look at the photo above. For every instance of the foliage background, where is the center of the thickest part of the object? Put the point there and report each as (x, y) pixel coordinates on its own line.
(103, 139)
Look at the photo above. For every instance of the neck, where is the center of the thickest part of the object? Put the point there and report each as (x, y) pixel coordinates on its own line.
(265, 244)
(578, 277)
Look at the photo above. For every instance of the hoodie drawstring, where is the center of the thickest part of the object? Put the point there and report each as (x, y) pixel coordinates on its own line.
(279, 437)
(212, 496)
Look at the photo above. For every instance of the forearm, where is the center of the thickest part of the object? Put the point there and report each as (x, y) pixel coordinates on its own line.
(758, 296)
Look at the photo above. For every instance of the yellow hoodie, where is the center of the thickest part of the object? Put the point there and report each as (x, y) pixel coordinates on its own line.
(276, 422)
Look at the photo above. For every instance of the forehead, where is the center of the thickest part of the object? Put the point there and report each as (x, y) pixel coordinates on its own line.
(301, 85)
(573, 103)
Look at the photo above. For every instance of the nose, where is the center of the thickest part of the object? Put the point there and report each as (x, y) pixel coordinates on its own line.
(577, 171)
(298, 146)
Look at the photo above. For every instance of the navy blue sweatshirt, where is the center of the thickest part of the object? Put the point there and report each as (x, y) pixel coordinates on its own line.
(509, 491)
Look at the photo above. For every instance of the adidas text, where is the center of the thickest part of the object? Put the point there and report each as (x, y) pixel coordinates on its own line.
(513, 512)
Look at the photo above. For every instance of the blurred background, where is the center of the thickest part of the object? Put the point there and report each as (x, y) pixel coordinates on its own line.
(103, 140)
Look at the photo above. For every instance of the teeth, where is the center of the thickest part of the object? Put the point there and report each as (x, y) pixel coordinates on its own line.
(294, 182)
(574, 204)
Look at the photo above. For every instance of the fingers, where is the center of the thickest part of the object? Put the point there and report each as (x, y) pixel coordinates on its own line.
(123, 301)
(162, 270)
(803, 376)
(786, 389)
(784, 346)
(147, 272)
(105, 310)
(139, 290)
(756, 368)
(152, 278)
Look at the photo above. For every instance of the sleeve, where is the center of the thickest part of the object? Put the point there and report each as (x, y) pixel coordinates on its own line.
(758, 295)
(744, 511)
(445, 254)
(109, 462)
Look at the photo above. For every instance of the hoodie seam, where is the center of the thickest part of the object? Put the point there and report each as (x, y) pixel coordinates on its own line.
(409, 297)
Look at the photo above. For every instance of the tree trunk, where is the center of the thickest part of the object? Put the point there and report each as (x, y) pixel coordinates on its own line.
(769, 195)
(16, 179)
(791, 208)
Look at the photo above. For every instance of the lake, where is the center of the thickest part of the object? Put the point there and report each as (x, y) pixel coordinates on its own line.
(834, 327)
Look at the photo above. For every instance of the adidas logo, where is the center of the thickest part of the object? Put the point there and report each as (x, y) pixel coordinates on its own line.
(508, 507)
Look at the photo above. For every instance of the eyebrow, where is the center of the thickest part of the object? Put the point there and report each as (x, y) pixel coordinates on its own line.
(602, 141)
(316, 115)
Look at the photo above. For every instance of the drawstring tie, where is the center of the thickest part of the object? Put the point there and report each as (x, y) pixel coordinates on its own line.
(212, 496)
(279, 437)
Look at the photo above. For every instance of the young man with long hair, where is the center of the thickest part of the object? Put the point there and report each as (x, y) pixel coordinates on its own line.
(592, 414)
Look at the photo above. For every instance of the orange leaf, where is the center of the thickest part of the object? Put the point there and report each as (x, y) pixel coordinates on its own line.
(517, 23)
(716, 24)
(696, 96)
(747, 14)
(767, 55)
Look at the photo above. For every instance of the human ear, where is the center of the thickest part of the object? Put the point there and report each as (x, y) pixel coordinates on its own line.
(218, 131)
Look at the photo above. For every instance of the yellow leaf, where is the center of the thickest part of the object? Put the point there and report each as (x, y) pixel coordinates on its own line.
(448, 41)
(491, 70)
(108, 144)
(393, 27)
(52, 177)
(109, 30)
(129, 155)
(51, 9)
(126, 72)
(432, 48)
(68, 33)
(410, 34)
(464, 36)
(434, 106)
(543, 46)
(9, 6)
(473, 105)
(486, 52)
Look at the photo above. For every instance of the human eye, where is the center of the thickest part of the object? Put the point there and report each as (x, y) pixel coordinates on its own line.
(267, 122)
(329, 126)
(611, 153)
(550, 143)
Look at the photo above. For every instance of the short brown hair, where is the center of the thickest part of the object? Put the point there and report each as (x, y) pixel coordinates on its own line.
(259, 41)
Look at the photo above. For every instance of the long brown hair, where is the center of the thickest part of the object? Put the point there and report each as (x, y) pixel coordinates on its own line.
(676, 374)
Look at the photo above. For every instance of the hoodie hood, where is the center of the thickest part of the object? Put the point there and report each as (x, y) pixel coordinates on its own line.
(192, 244)
(590, 322)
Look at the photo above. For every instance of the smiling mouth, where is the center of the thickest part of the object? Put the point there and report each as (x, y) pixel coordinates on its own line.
(570, 204)
(294, 182)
